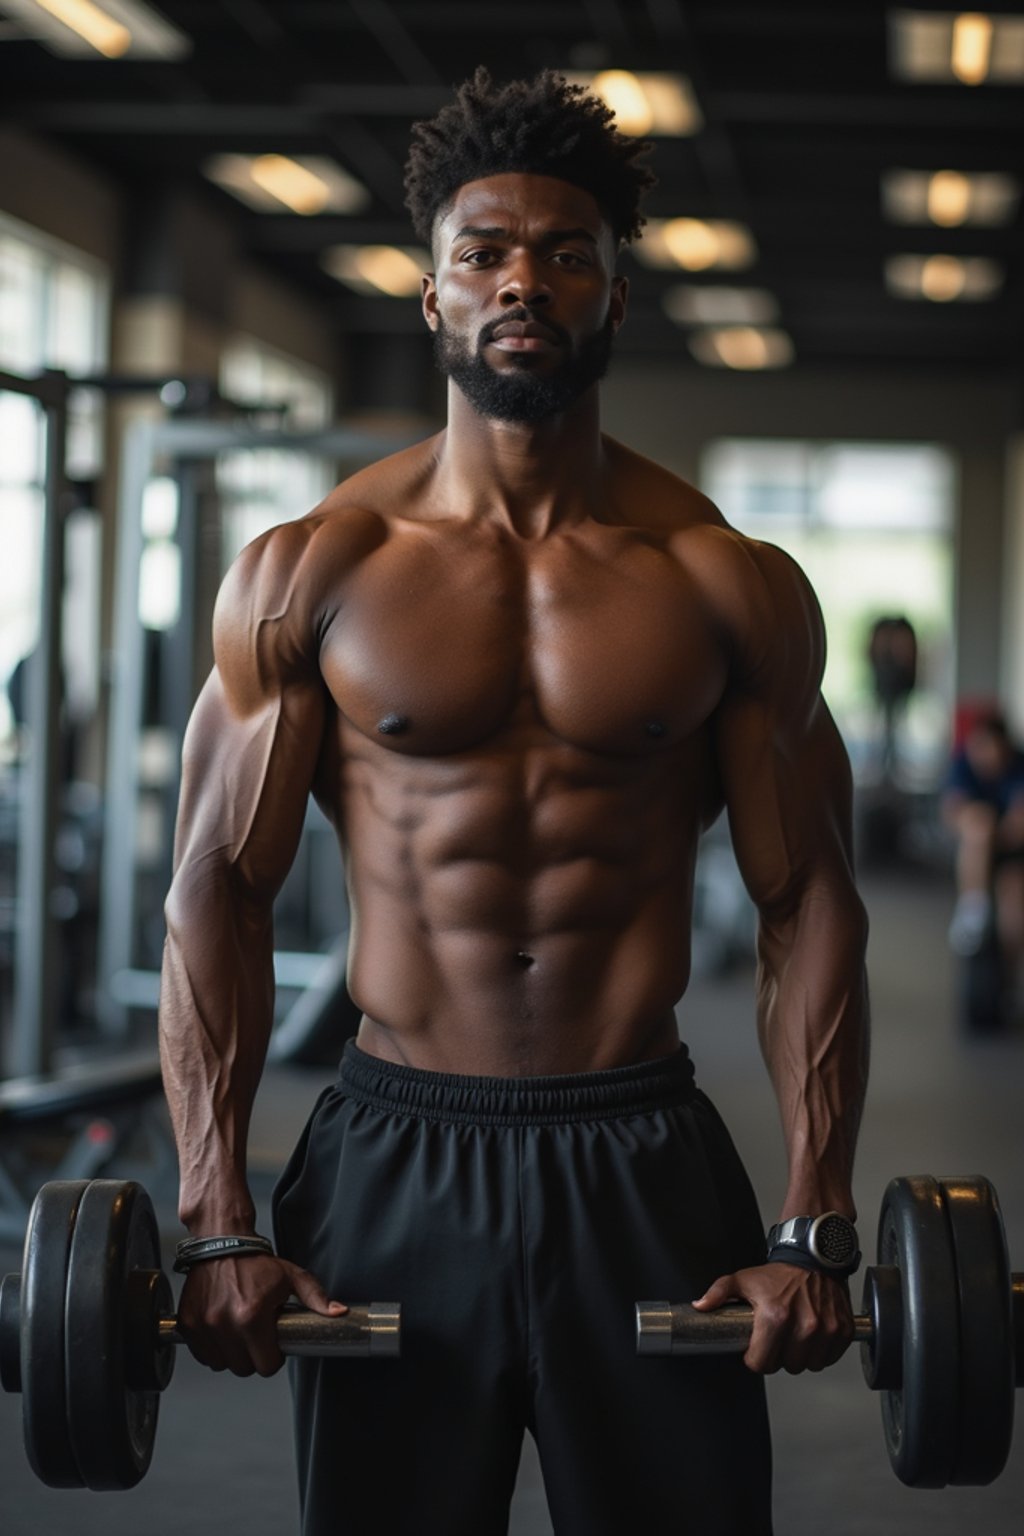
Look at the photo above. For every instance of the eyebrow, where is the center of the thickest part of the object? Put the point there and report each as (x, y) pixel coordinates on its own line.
(553, 236)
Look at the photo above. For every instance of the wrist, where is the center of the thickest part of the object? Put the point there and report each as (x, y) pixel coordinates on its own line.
(232, 1217)
(203, 1250)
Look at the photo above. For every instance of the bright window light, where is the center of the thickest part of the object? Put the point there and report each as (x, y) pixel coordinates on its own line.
(691, 304)
(396, 271)
(970, 47)
(107, 29)
(943, 279)
(271, 183)
(663, 105)
(697, 245)
(744, 347)
(950, 198)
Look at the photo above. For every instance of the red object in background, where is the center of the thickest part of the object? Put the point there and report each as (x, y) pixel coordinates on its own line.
(969, 712)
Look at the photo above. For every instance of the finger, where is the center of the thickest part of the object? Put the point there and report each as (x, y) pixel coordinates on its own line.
(769, 1338)
(216, 1353)
(833, 1339)
(722, 1290)
(312, 1294)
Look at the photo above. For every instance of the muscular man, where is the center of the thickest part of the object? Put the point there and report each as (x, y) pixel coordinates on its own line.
(521, 668)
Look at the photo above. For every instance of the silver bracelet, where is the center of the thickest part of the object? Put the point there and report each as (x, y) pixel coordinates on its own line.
(197, 1250)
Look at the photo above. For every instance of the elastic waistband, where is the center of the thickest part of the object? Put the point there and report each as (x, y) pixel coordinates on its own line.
(575, 1096)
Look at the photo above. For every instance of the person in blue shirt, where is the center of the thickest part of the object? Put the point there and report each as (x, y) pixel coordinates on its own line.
(984, 805)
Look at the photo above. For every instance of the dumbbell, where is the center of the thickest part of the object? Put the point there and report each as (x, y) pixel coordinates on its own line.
(941, 1331)
(87, 1334)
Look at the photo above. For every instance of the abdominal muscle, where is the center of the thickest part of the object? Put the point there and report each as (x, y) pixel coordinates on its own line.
(520, 911)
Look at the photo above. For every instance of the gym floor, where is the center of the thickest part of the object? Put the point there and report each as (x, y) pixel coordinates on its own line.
(939, 1104)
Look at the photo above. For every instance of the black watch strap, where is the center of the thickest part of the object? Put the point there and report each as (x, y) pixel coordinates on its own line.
(825, 1243)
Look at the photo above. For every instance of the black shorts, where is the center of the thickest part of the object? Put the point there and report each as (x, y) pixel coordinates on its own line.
(518, 1221)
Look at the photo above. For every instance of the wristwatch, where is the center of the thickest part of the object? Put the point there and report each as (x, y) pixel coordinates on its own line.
(827, 1243)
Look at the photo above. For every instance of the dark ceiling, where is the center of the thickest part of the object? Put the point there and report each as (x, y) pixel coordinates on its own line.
(801, 116)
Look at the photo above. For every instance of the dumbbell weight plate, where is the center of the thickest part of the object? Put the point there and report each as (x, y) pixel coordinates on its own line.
(44, 1270)
(112, 1426)
(986, 1330)
(921, 1420)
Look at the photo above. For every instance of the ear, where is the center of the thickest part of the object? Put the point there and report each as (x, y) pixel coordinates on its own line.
(617, 302)
(428, 289)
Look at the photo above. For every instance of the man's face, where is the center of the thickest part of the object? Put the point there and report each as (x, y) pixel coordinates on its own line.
(524, 301)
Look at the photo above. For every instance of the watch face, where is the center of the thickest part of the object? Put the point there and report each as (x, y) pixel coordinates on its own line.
(834, 1240)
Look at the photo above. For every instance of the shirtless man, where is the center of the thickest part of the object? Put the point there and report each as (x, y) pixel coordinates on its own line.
(521, 668)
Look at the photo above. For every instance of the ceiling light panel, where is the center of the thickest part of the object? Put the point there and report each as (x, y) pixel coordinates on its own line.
(694, 304)
(303, 184)
(99, 29)
(743, 347)
(950, 198)
(696, 245)
(943, 279)
(393, 270)
(970, 47)
(662, 105)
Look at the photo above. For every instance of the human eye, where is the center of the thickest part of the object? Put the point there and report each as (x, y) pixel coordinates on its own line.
(479, 256)
(571, 259)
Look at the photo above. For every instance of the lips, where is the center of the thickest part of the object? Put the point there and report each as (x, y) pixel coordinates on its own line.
(524, 328)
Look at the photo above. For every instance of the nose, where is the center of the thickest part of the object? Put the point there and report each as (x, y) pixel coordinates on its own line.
(523, 282)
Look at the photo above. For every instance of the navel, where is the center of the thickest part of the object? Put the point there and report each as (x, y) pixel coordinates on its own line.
(393, 725)
(523, 960)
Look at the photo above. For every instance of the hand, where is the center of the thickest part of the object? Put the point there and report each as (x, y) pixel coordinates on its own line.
(803, 1320)
(228, 1311)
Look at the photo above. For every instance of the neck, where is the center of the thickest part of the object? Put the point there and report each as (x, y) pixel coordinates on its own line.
(535, 477)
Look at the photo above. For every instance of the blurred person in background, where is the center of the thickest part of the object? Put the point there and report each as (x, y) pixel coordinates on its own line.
(983, 804)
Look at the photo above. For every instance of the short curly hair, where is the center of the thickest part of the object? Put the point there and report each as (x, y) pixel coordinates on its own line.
(545, 126)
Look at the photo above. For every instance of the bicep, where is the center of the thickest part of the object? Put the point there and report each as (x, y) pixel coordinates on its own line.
(789, 798)
(784, 769)
(255, 736)
(245, 782)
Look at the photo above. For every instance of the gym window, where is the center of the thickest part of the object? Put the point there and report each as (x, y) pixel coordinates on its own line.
(54, 313)
(262, 487)
(871, 524)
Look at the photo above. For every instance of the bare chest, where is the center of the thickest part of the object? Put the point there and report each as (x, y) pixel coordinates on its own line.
(435, 647)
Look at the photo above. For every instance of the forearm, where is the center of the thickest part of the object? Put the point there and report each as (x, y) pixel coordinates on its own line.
(216, 1011)
(813, 1025)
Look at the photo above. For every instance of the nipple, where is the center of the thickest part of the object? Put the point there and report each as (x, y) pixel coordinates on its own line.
(393, 725)
(656, 728)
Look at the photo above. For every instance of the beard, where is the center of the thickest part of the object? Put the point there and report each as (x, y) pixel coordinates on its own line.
(517, 393)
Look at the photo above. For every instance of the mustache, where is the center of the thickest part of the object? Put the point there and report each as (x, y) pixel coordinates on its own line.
(521, 316)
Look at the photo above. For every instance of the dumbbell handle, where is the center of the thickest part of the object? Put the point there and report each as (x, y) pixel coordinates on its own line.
(369, 1328)
(676, 1328)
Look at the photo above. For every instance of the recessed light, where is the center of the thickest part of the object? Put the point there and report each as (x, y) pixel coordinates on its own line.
(663, 105)
(273, 183)
(950, 198)
(697, 245)
(394, 270)
(99, 29)
(972, 47)
(942, 278)
(745, 347)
